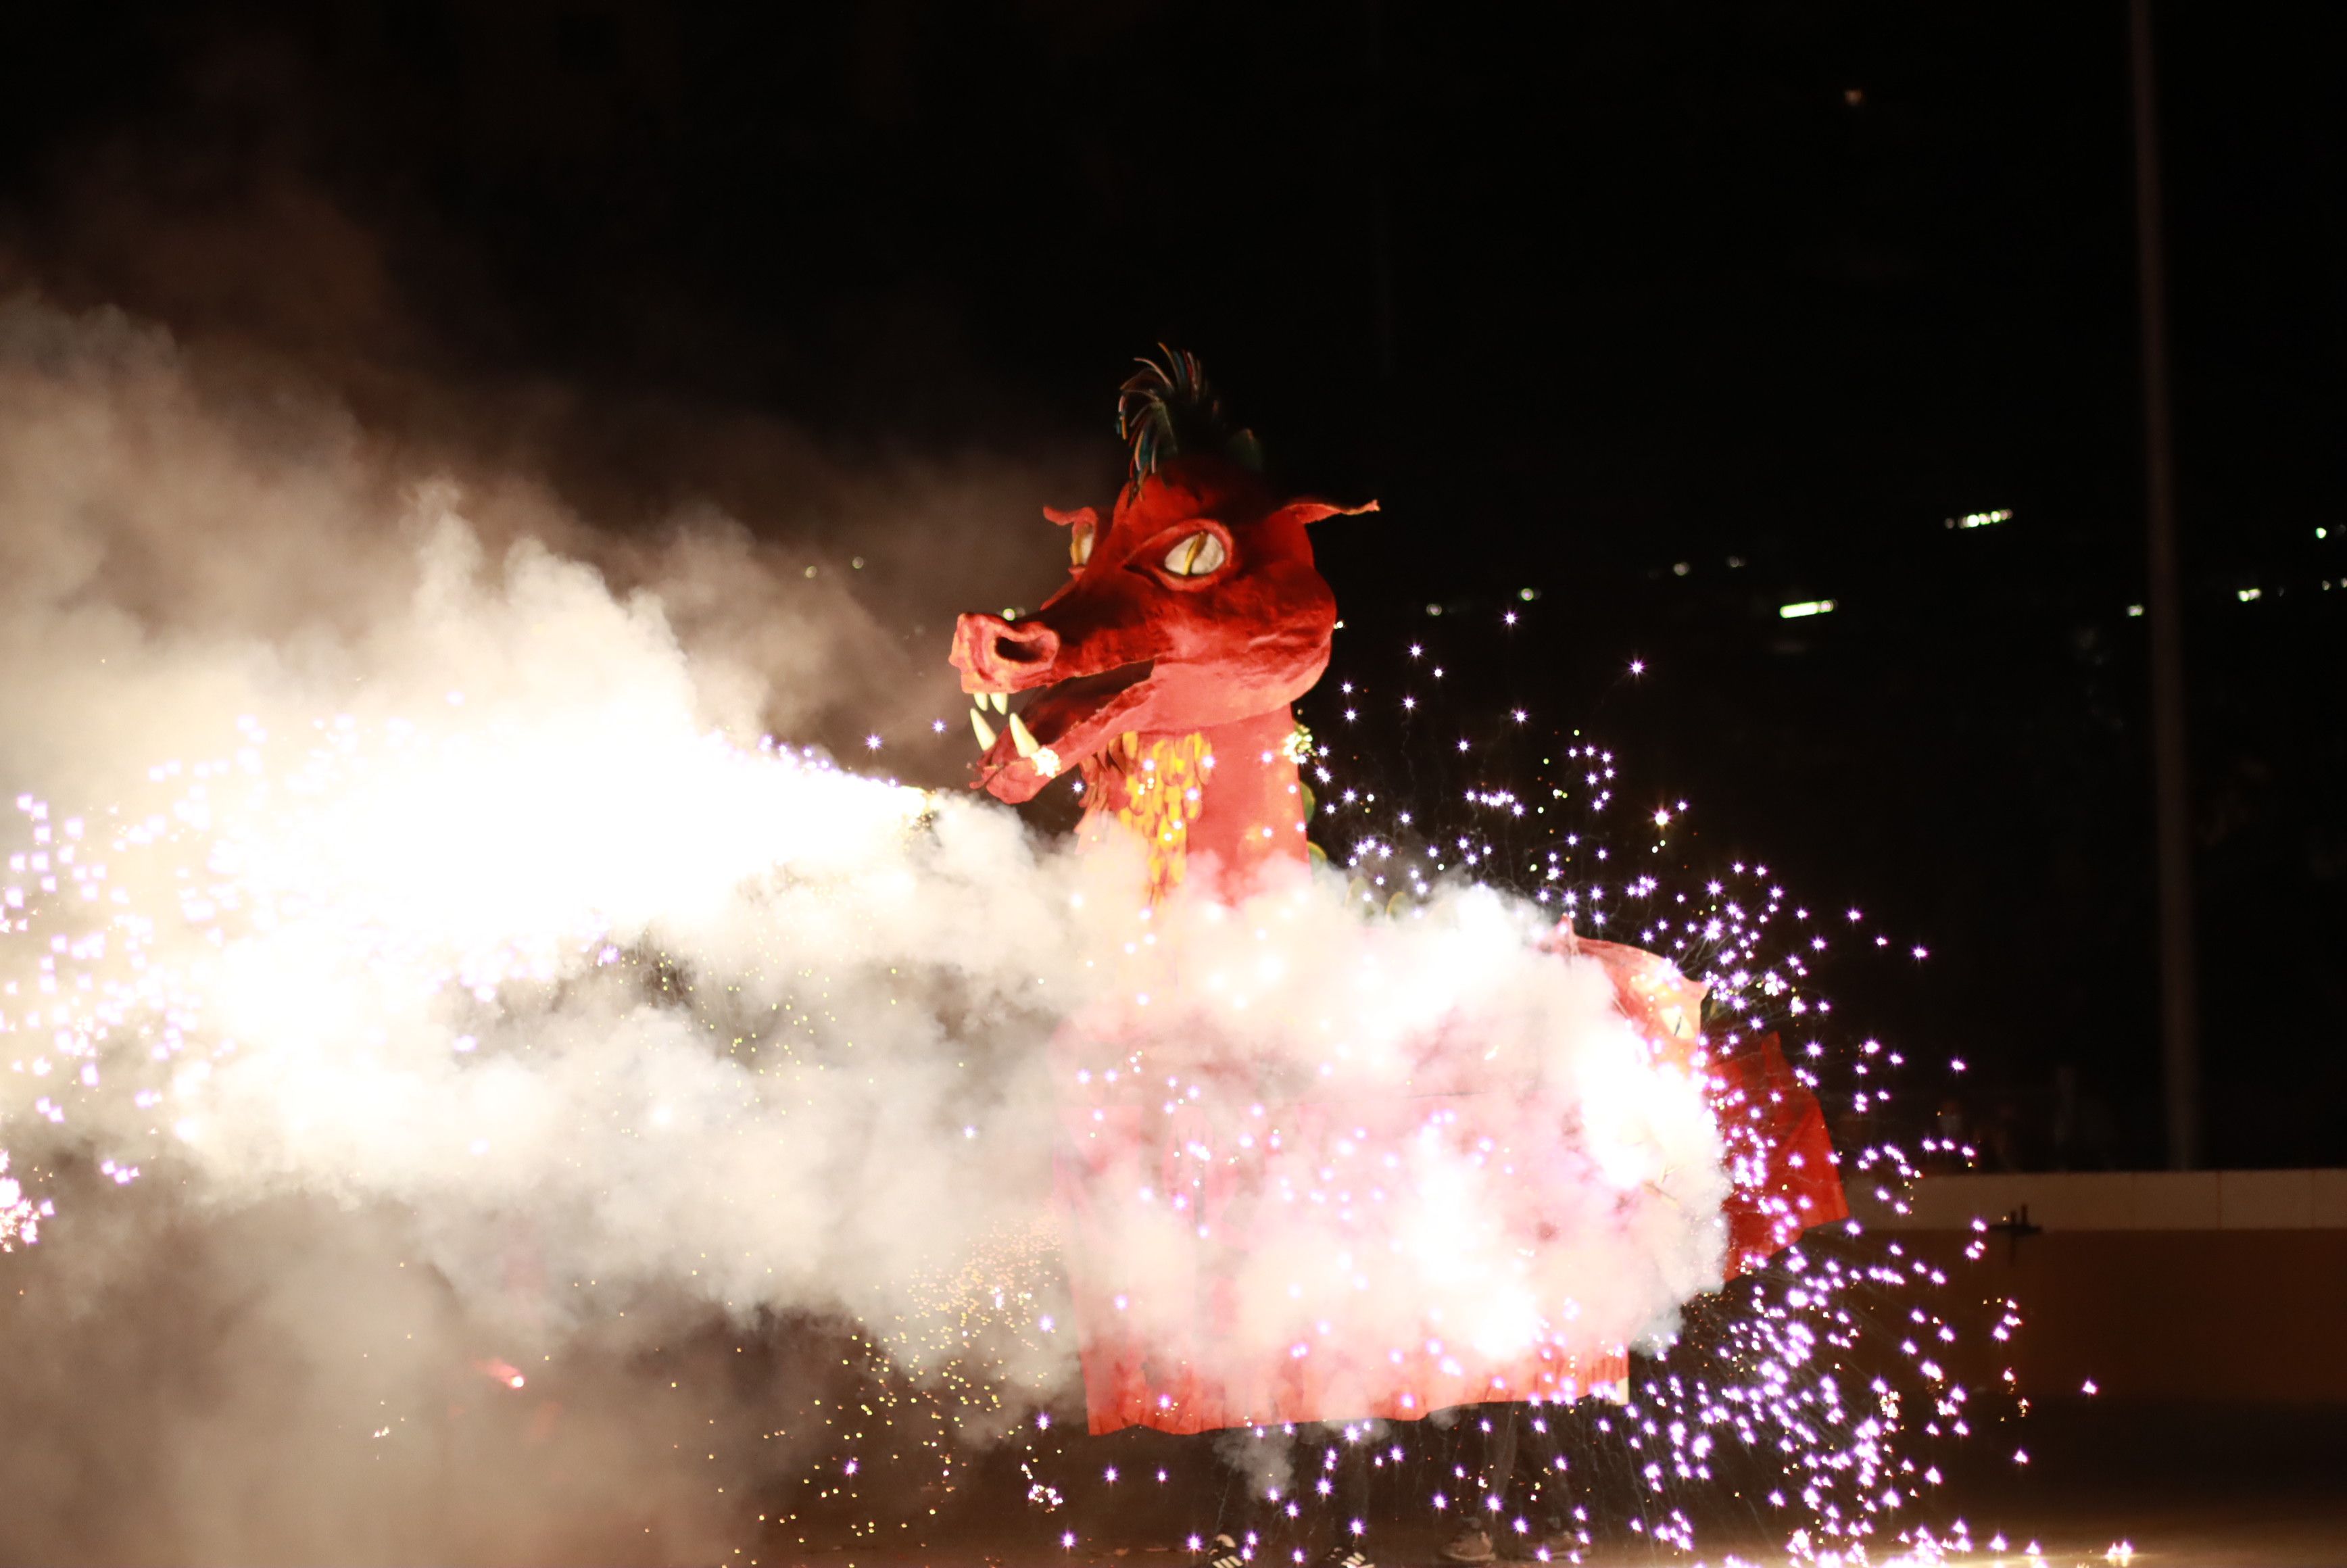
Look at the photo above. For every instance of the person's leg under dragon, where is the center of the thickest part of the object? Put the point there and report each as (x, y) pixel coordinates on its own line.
(1354, 1460)
(1489, 1433)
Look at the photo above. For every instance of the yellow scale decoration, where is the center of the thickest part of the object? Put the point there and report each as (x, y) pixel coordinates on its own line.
(1152, 787)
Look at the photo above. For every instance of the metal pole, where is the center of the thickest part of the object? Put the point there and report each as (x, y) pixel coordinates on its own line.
(1381, 280)
(2172, 827)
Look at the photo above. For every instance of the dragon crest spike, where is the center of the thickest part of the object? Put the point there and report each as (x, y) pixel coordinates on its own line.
(1166, 408)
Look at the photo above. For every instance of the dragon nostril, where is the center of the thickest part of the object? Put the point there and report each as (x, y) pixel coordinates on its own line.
(1023, 645)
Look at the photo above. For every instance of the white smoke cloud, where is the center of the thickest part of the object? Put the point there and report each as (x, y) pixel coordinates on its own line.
(376, 848)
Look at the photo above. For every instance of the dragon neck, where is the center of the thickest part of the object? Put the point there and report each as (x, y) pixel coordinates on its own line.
(1226, 797)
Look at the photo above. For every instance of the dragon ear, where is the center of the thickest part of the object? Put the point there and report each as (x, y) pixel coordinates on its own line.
(1314, 511)
(1069, 519)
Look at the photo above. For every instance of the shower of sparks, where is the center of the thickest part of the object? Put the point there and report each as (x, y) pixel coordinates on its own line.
(1831, 1366)
(20, 1216)
(256, 935)
(152, 945)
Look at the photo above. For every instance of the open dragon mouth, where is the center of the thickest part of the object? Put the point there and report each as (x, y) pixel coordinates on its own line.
(1061, 726)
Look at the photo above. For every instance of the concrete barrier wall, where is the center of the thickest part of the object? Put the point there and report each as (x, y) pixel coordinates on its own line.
(2118, 1201)
(2222, 1286)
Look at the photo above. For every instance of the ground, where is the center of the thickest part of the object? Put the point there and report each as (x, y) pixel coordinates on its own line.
(2185, 1486)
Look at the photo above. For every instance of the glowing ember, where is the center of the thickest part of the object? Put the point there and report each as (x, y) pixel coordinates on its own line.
(550, 944)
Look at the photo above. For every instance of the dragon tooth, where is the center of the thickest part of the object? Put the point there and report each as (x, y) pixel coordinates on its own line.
(1021, 737)
(1001, 700)
(985, 730)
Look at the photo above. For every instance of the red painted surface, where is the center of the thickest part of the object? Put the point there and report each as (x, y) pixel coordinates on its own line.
(1130, 647)
(1170, 689)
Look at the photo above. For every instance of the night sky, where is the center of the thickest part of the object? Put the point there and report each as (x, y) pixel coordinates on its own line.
(1672, 312)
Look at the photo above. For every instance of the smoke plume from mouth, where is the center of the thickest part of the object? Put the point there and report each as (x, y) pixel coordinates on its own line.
(402, 874)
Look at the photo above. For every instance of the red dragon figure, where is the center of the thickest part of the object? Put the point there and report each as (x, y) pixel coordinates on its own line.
(1165, 671)
(1189, 623)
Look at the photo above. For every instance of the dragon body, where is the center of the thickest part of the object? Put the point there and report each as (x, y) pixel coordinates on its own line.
(1164, 672)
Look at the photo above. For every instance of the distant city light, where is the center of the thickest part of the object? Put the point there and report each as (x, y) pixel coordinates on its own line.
(1981, 520)
(2323, 533)
(2248, 594)
(2135, 610)
(1807, 607)
(1680, 568)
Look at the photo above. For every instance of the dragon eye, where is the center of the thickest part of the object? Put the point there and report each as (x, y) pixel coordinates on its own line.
(1079, 544)
(1196, 555)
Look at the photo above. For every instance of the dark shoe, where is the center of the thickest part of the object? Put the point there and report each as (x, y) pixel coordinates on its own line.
(1222, 1552)
(1559, 1544)
(1472, 1545)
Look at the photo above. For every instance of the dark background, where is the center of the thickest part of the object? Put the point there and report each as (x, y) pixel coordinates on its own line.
(1586, 294)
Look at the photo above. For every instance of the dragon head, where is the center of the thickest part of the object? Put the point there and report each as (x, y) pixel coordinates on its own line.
(1194, 605)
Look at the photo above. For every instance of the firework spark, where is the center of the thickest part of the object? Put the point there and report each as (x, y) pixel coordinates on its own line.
(522, 923)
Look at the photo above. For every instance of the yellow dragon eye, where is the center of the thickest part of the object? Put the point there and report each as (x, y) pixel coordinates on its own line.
(1079, 544)
(1196, 555)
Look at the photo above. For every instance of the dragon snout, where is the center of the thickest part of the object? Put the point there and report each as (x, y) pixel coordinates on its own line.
(998, 655)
